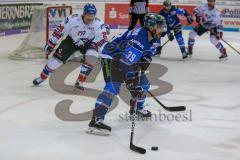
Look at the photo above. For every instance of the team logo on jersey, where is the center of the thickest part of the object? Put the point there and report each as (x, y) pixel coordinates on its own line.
(137, 43)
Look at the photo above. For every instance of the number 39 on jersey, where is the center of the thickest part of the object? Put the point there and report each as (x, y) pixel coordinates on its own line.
(132, 55)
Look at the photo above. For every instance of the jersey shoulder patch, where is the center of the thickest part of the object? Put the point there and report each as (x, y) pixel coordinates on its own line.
(137, 38)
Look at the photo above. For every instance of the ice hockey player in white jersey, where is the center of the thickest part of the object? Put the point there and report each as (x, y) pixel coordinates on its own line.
(209, 19)
(84, 33)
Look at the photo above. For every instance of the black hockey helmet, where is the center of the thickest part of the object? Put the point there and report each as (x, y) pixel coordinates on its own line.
(153, 20)
(167, 3)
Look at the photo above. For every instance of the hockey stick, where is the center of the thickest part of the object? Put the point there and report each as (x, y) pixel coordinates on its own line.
(170, 109)
(165, 43)
(230, 46)
(159, 54)
(133, 115)
(226, 42)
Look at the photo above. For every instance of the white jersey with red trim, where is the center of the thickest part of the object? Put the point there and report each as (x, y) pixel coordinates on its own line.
(80, 33)
(210, 18)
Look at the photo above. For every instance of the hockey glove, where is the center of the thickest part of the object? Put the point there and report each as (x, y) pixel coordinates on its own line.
(170, 36)
(198, 19)
(188, 16)
(49, 48)
(145, 62)
(189, 19)
(79, 43)
(52, 42)
(107, 29)
(163, 34)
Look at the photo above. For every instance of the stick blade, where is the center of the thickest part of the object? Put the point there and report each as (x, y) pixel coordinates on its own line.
(176, 109)
(137, 149)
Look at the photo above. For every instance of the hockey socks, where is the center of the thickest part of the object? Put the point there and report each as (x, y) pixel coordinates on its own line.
(43, 76)
(181, 44)
(53, 64)
(96, 125)
(223, 51)
(190, 46)
(102, 105)
(85, 70)
(46, 72)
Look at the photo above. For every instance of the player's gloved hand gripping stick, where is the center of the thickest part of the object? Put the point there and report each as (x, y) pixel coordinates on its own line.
(159, 48)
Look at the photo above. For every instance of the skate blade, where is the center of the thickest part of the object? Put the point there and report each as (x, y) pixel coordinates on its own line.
(76, 87)
(184, 59)
(79, 87)
(33, 85)
(78, 90)
(223, 59)
(37, 84)
(100, 132)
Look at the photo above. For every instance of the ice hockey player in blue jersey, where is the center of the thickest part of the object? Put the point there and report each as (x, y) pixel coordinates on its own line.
(131, 50)
(170, 13)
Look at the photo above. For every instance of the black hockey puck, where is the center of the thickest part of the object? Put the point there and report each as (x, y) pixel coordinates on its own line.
(154, 148)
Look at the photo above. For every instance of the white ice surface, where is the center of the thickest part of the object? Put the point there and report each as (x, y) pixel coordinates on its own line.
(29, 129)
